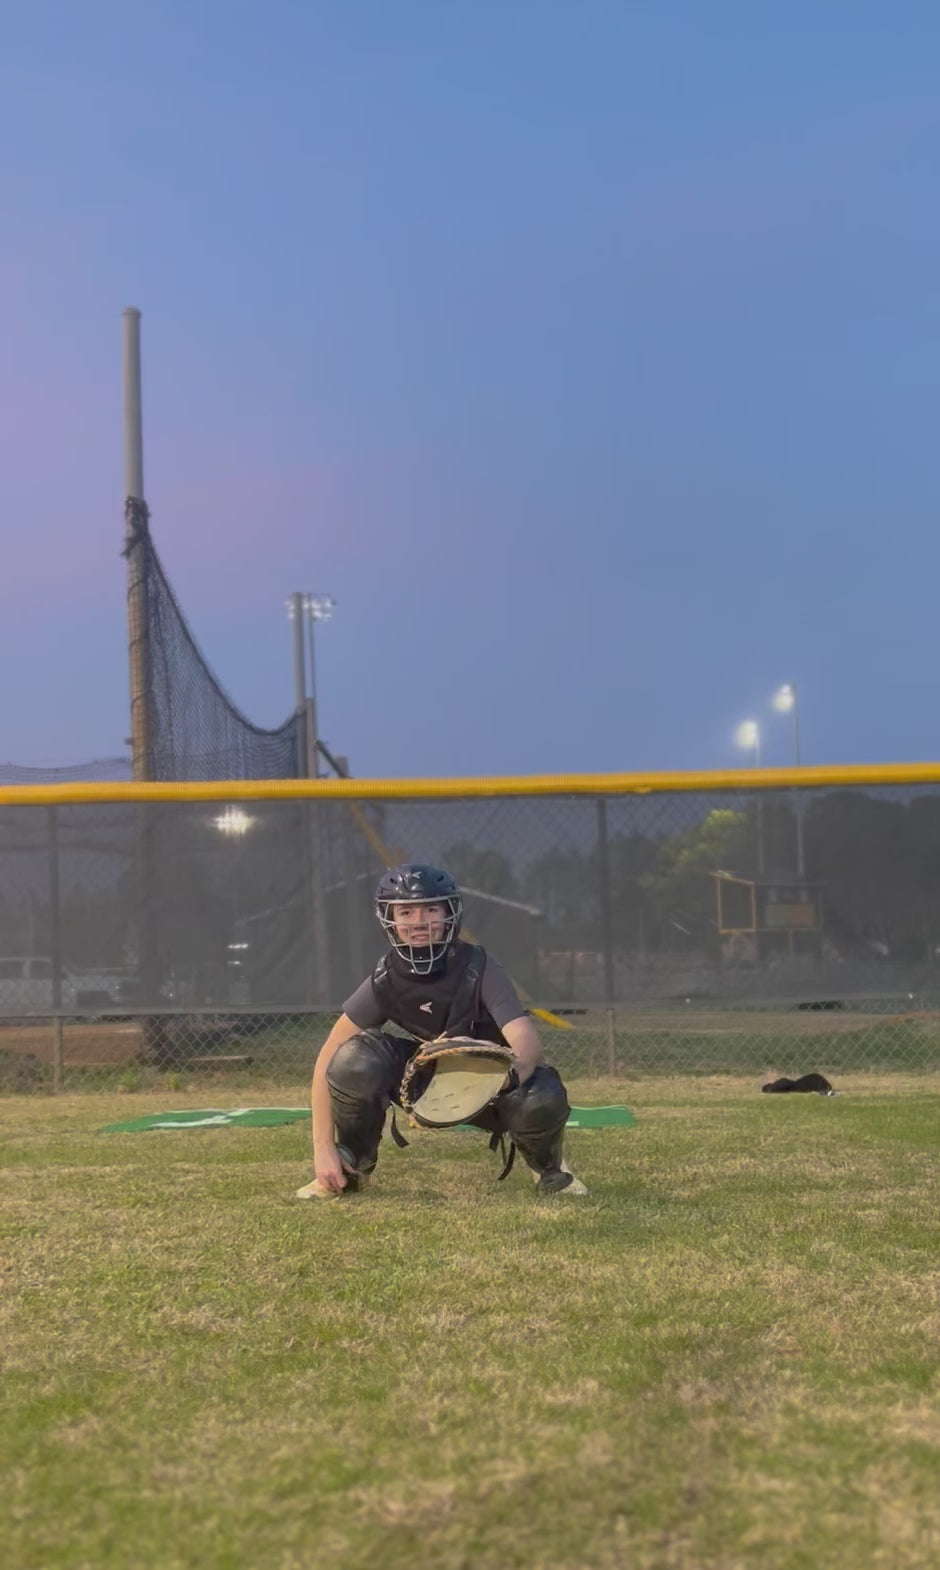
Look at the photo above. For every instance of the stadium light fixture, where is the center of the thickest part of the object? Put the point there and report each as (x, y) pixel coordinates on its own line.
(747, 736)
(785, 702)
(319, 607)
(316, 607)
(233, 822)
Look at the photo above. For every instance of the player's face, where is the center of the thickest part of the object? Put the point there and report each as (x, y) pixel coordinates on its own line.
(420, 925)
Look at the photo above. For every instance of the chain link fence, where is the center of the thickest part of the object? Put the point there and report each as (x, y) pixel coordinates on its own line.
(727, 930)
(244, 1050)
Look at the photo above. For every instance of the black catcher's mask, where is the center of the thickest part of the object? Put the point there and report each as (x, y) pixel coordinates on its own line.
(419, 885)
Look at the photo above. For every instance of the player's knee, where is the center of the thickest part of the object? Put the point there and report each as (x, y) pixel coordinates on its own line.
(540, 1106)
(358, 1071)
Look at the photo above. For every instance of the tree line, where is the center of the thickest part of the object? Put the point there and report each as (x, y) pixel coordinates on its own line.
(875, 860)
(874, 856)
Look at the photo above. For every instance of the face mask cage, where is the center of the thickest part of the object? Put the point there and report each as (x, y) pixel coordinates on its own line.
(421, 960)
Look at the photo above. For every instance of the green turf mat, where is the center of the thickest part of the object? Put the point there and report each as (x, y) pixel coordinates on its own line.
(211, 1117)
(269, 1117)
(601, 1117)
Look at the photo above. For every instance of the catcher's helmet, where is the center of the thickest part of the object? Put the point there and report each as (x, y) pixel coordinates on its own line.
(419, 885)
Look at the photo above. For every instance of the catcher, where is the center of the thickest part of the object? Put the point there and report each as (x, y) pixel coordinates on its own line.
(471, 1055)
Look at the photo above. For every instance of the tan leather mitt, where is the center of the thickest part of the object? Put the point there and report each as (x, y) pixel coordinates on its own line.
(449, 1081)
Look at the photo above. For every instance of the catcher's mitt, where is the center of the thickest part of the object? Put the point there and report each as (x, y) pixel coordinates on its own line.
(449, 1081)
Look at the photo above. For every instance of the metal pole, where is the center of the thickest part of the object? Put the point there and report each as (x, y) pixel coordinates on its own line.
(760, 811)
(800, 856)
(137, 552)
(607, 934)
(313, 761)
(133, 405)
(603, 885)
(357, 964)
(55, 948)
(296, 612)
(310, 811)
(136, 546)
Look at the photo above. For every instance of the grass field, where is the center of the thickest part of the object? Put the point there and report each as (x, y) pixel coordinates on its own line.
(726, 1358)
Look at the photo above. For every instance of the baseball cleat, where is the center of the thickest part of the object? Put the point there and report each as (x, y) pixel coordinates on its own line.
(355, 1181)
(315, 1190)
(561, 1181)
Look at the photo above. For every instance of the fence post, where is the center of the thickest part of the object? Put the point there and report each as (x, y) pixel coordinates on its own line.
(55, 948)
(321, 943)
(603, 889)
(607, 935)
(357, 963)
(611, 1040)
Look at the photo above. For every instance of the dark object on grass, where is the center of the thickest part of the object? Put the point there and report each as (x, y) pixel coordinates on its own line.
(816, 1082)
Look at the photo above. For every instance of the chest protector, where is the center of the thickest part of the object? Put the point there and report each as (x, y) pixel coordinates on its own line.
(446, 1001)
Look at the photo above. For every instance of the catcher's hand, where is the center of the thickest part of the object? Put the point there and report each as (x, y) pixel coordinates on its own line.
(449, 1081)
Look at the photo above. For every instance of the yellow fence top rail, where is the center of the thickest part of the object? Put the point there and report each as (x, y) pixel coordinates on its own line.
(495, 785)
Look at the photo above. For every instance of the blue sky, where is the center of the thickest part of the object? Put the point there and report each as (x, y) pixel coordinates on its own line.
(584, 352)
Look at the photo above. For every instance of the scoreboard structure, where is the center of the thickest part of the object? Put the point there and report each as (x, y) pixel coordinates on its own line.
(763, 917)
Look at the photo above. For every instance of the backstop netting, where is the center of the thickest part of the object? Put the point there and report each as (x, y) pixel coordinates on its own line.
(100, 769)
(195, 730)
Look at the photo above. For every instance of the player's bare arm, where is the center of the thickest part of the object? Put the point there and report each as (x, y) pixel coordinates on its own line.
(327, 1164)
(523, 1037)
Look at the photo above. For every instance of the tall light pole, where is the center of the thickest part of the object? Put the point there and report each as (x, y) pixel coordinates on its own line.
(234, 823)
(295, 615)
(310, 608)
(785, 701)
(317, 607)
(747, 736)
(136, 549)
(306, 609)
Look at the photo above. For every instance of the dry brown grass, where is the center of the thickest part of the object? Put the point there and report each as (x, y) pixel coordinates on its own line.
(726, 1357)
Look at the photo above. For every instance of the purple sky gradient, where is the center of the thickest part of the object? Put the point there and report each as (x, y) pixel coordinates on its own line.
(585, 353)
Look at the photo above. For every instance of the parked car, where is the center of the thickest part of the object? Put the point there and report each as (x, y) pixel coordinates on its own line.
(97, 989)
(26, 987)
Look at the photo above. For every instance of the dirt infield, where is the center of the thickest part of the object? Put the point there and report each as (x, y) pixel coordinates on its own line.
(109, 1043)
(697, 1021)
(84, 1045)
